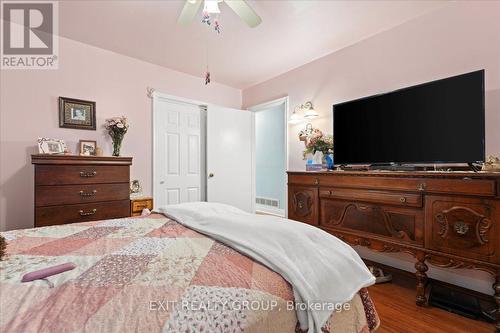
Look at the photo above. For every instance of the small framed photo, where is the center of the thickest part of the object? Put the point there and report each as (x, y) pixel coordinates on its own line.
(88, 147)
(76, 113)
(51, 146)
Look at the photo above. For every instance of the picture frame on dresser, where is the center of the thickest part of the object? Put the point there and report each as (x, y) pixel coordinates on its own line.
(51, 146)
(87, 147)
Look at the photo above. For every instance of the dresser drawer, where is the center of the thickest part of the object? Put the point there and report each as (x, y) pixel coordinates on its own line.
(46, 195)
(387, 198)
(55, 215)
(463, 226)
(429, 185)
(81, 174)
(304, 179)
(400, 224)
(137, 205)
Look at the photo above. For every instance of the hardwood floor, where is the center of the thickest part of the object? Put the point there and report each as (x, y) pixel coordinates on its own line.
(395, 304)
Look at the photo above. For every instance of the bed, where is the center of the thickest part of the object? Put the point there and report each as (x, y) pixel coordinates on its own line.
(149, 274)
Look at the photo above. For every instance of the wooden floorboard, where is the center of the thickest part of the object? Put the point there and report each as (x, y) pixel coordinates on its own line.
(395, 304)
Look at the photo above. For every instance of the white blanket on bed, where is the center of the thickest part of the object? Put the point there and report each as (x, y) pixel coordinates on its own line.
(321, 269)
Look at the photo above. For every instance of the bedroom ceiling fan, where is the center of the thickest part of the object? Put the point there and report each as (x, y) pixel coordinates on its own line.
(211, 7)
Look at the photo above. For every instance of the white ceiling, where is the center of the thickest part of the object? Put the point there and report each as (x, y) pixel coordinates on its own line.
(292, 33)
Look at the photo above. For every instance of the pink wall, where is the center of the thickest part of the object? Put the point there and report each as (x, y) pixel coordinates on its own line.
(28, 109)
(458, 38)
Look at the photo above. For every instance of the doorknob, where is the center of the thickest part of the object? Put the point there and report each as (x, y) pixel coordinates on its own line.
(162, 182)
(210, 175)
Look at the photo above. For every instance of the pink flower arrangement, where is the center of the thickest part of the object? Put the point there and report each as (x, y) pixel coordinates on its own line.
(117, 124)
(117, 127)
(316, 140)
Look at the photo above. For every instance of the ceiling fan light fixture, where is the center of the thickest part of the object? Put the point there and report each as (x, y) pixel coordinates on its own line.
(211, 7)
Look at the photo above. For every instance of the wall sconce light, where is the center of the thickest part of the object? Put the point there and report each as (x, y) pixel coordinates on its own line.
(295, 118)
(307, 110)
(310, 113)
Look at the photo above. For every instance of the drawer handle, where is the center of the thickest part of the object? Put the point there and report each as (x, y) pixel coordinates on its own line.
(88, 194)
(300, 204)
(84, 174)
(461, 227)
(142, 206)
(402, 199)
(316, 181)
(330, 192)
(421, 187)
(92, 212)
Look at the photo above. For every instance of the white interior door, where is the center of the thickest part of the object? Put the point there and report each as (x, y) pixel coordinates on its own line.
(229, 157)
(178, 153)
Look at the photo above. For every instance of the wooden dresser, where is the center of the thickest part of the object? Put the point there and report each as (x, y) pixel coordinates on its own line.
(446, 219)
(70, 188)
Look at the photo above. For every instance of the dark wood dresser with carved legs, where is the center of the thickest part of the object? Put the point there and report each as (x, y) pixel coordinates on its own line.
(446, 219)
(71, 188)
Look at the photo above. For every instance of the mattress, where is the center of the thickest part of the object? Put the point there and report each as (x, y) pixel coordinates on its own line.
(149, 274)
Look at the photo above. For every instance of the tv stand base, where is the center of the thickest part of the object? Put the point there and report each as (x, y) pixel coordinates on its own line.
(395, 167)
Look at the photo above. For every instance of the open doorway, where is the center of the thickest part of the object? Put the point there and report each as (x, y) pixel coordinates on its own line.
(270, 156)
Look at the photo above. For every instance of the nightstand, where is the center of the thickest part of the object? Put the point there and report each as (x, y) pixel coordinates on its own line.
(138, 204)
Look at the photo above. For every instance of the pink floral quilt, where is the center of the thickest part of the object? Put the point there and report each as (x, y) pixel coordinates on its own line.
(149, 274)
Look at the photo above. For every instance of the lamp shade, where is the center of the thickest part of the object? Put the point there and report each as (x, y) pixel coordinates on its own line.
(311, 113)
(294, 118)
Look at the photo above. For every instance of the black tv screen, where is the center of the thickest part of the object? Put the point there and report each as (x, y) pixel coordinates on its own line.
(436, 122)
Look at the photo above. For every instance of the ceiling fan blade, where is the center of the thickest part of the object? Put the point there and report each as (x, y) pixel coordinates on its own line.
(245, 12)
(188, 12)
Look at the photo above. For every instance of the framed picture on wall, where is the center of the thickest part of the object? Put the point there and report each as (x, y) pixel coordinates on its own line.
(76, 113)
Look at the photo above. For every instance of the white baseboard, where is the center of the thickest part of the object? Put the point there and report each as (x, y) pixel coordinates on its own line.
(270, 210)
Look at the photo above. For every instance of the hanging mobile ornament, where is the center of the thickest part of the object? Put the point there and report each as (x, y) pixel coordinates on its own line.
(207, 77)
(217, 26)
(207, 73)
(206, 18)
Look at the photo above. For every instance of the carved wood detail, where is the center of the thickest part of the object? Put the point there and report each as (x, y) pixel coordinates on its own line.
(496, 289)
(377, 246)
(451, 263)
(340, 220)
(302, 203)
(385, 217)
(392, 230)
(482, 223)
(421, 275)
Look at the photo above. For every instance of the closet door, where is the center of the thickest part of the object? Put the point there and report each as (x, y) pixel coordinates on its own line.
(178, 153)
(229, 157)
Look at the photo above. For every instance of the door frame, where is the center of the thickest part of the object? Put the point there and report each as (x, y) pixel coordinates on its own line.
(203, 116)
(261, 107)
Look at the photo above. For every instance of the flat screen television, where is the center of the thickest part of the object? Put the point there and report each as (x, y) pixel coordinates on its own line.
(436, 122)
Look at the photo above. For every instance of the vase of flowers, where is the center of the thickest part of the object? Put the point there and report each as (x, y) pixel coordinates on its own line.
(117, 127)
(317, 141)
